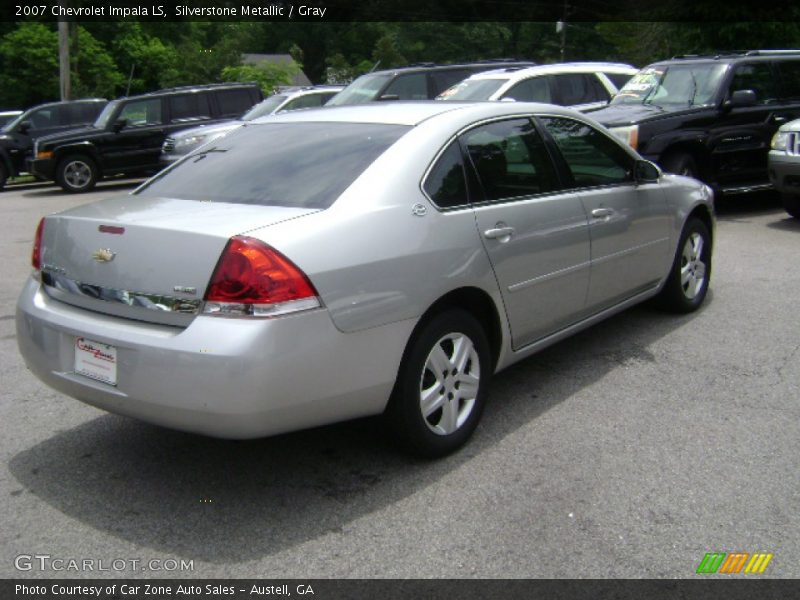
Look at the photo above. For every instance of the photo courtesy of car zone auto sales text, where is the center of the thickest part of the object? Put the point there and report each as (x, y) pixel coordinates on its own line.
(363, 301)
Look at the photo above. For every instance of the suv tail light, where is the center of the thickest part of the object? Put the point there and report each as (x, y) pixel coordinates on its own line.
(253, 279)
(36, 255)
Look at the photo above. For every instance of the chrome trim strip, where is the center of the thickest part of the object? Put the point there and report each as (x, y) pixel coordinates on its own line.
(548, 276)
(628, 251)
(156, 302)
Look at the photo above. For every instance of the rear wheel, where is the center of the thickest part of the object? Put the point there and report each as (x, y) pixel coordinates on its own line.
(791, 203)
(687, 284)
(442, 385)
(681, 163)
(76, 173)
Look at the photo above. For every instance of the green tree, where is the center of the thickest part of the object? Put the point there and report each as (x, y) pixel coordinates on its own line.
(268, 75)
(93, 70)
(29, 59)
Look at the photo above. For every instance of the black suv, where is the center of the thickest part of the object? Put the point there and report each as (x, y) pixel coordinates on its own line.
(126, 138)
(709, 117)
(416, 82)
(16, 137)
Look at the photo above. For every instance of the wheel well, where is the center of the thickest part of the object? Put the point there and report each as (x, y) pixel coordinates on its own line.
(76, 151)
(480, 305)
(701, 212)
(696, 151)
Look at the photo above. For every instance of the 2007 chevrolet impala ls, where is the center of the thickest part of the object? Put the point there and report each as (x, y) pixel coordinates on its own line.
(330, 264)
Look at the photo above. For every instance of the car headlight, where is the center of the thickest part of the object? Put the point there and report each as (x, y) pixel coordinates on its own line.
(779, 141)
(194, 140)
(628, 134)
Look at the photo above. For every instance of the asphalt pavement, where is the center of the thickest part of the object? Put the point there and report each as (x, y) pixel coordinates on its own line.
(629, 450)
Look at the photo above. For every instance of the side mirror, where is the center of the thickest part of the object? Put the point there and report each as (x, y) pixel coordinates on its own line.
(741, 98)
(119, 125)
(389, 97)
(646, 172)
(24, 127)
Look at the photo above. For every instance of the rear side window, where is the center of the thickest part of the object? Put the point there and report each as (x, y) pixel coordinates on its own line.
(85, 113)
(445, 184)
(189, 107)
(593, 158)
(790, 79)
(233, 103)
(510, 159)
(413, 86)
(304, 165)
(447, 78)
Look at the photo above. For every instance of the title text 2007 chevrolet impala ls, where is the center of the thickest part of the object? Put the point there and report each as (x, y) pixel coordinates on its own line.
(330, 264)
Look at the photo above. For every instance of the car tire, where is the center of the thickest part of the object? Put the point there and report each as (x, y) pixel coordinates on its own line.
(687, 283)
(441, 386)
(681, 163)
(76, 173)
(3, 176)
(791, 203)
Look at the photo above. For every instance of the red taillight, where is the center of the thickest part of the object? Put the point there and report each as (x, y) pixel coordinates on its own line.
(251, 273)
(36, 256)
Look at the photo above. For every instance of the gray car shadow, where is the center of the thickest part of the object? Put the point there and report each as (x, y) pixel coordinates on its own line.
(221, 501)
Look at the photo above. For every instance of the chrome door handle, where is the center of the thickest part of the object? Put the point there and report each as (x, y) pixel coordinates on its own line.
(602, 213)
(499, 233)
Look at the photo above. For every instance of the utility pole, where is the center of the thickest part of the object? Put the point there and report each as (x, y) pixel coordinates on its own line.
(63, 58)
(561, 27)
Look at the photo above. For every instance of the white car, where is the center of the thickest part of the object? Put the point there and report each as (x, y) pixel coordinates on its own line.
(580, 85)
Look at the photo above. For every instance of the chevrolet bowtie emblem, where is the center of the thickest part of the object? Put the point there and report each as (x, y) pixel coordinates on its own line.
(104, 255)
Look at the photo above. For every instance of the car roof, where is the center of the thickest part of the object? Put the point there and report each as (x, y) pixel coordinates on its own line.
(414, 112)
(574, 67)
(510, 62)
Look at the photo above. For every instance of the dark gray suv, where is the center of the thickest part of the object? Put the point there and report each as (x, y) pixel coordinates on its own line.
(18, 135)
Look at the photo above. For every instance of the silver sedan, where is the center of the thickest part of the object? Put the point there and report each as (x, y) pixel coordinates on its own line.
(332, 264)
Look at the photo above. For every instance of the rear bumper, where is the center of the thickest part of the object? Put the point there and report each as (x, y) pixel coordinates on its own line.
(229, 378)
(784, 172)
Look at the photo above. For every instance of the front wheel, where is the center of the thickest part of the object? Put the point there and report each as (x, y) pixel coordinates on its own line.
(681, 163)
(687, 283)
(76, 173)
(442, 385)
(792, 204)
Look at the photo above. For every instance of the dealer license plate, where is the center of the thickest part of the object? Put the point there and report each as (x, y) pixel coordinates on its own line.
(95, 360)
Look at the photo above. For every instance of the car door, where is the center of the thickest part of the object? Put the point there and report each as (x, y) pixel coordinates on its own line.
(629, 223)
(137, 145)
(535, 234)
(741, 135)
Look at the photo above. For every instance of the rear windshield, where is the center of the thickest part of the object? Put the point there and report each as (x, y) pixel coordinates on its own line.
(303, 165)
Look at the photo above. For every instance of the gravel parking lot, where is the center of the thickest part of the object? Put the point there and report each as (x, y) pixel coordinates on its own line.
(629, 450)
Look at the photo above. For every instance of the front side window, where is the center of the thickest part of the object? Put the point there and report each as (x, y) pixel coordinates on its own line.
(593, 158)
(140, 113)
(46, 117)
(445, 184)
(757, 77)
(303, 165)
(575, 89)
(533, 89)
(510, 159)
